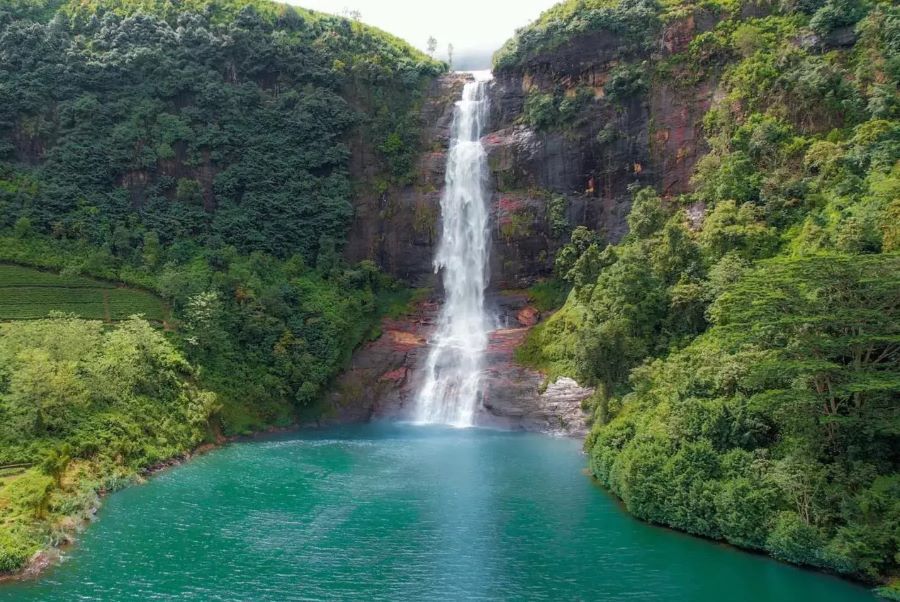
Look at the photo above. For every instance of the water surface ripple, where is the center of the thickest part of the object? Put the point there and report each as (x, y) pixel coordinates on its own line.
(394, 512)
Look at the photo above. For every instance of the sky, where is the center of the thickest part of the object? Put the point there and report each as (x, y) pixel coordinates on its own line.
(475, 27)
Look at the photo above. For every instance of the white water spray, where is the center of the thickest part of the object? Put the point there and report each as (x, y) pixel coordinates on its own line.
(452, 387)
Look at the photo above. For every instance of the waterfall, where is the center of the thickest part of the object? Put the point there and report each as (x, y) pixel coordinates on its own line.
(452, 386)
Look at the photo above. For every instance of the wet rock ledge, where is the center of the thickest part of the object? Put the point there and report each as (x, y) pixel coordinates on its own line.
(384, 375)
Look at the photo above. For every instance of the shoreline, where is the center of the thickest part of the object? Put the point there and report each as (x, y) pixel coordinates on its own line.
(48, 557)
(808, 568)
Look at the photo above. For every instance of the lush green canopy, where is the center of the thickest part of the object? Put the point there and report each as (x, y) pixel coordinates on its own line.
(210, 121)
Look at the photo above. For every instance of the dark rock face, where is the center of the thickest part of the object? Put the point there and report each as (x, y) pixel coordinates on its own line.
(398, 228)
(545, 181)
(651, 138)
(590, 161)
(384, 376)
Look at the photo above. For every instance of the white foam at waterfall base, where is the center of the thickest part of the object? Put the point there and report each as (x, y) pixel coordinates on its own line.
(451, 390)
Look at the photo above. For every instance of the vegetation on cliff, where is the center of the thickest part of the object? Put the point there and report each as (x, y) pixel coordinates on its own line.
(200, 150)
(744, 337)
(633, 22)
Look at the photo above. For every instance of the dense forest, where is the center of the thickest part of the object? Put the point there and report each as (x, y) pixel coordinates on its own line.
(744, 339)
(199, 150)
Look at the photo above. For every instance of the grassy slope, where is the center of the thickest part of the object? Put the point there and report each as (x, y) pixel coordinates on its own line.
(26, 293)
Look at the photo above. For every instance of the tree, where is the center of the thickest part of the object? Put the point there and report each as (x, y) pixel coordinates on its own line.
(647, 215)
(450, 55)
(431, 45)
(729, 227)
(833, 324)
(150, 251)
(56, 461)
(579, 241)
(46, 394)
(203, 321)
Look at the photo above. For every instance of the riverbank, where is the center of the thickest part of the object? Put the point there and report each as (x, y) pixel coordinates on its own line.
(68, 527)
(379, 383)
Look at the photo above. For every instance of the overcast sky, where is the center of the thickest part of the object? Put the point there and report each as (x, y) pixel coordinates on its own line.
(472, 26)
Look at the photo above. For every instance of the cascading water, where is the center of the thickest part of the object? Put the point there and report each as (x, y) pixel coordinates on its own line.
(452, 385)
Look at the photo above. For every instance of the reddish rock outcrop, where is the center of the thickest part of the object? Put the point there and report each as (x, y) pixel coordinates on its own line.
(384, 375)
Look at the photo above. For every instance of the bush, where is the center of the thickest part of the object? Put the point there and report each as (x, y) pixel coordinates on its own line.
(626, 83)
(15, 549)
(27, 495)
(795, 541)
(744, 511)
(22, 227)
(554, 110)
(834, 14)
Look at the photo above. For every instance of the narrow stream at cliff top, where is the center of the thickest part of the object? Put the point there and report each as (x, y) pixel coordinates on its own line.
(452, 380)
(398, 512)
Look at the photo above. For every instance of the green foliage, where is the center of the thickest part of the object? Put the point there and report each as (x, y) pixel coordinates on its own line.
(632, 22)
(22, 227)
(646, 216)
(232, 125)
(548, 295)
(26, 496)
(188, 191)
(556, 110)
(836, 13)
(63, 373)
(269, 334)
(729, 228)
(891, 591)
(517, 224)
(557, 216)
(15, 549)
(163, 145)
(794, 540)
(71, 392)
(625, 83)
(746, 361)
(580, 241)
(791, 397)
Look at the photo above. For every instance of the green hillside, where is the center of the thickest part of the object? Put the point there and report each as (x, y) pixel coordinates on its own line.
(744, 337)
(200, 150)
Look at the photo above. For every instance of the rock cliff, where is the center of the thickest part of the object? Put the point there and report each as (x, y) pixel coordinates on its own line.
(397, 226)
(575, 128)
(572, 130)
